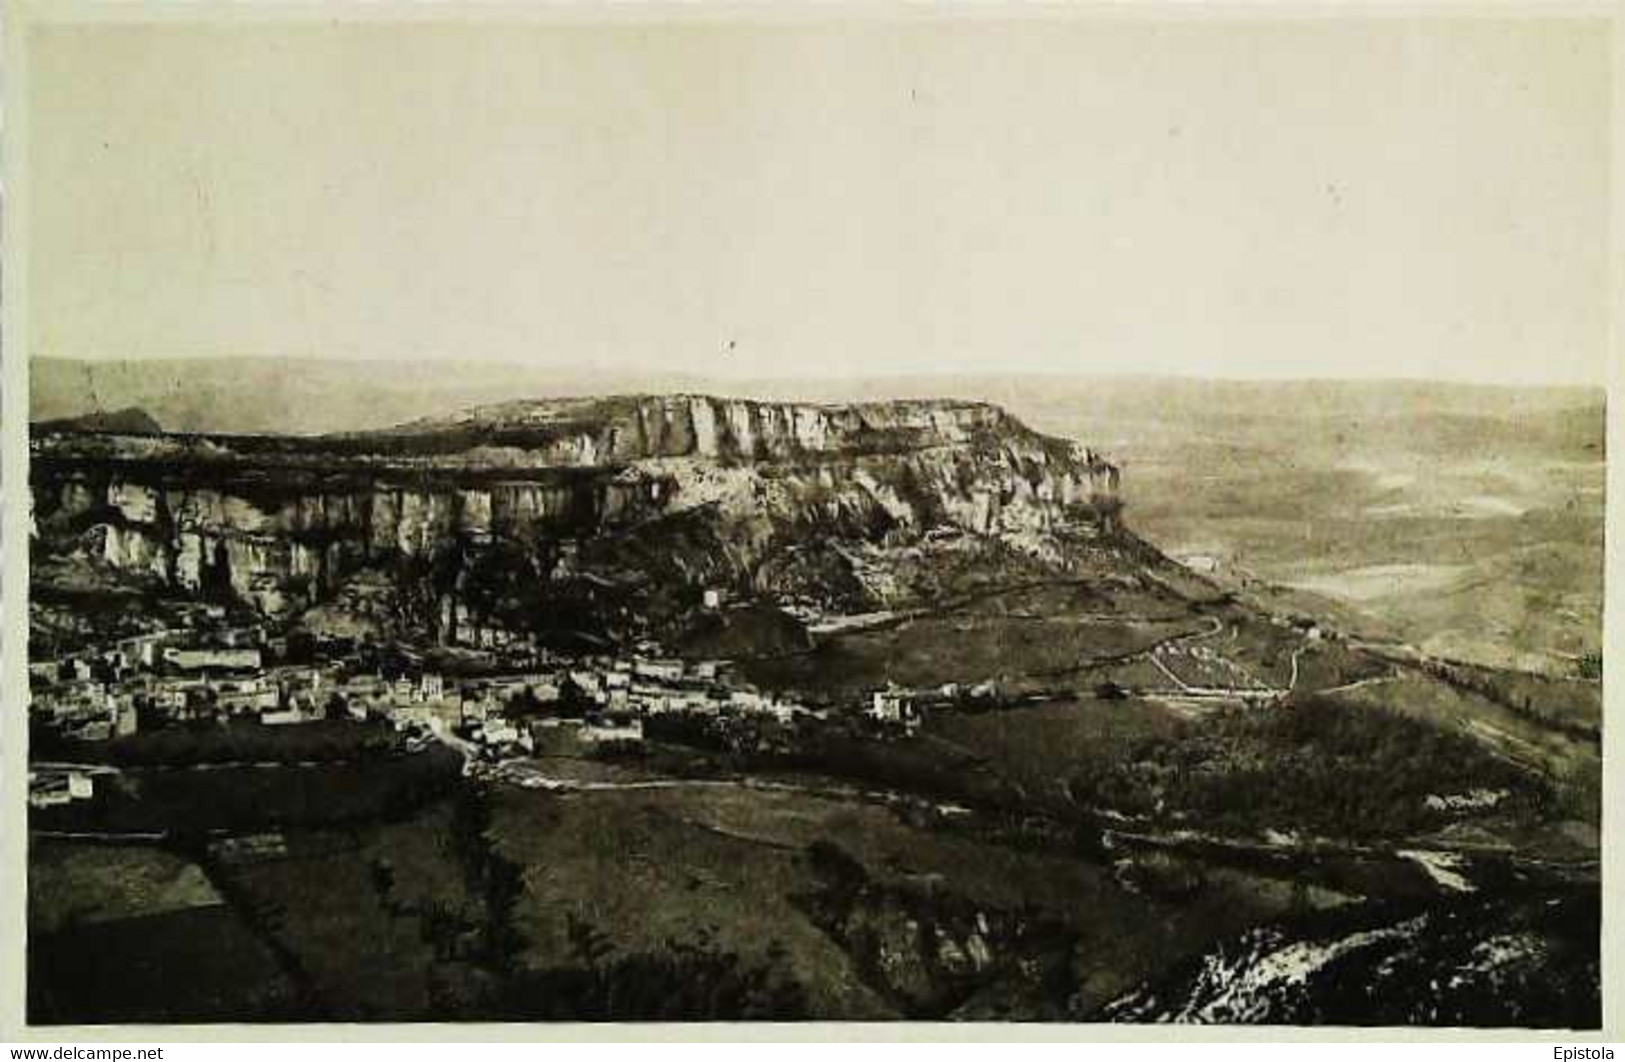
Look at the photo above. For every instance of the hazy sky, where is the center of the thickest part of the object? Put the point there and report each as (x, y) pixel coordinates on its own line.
(1318, 198)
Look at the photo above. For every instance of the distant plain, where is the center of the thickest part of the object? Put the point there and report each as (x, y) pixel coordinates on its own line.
(1465, 520)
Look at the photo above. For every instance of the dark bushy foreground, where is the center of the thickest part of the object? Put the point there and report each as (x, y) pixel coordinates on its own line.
(1313, 764)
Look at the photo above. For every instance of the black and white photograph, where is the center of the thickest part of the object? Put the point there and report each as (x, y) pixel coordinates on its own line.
(695, 514)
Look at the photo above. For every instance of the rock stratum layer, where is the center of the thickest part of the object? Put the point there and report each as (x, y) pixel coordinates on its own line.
(730, 486)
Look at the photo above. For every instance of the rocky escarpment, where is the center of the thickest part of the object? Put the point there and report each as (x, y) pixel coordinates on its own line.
(281, 521)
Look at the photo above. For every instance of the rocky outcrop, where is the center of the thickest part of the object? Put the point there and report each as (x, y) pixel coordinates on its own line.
(280, 521)
(604, 431)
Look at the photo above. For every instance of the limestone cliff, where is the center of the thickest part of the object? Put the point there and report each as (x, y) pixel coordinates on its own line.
(281, 521)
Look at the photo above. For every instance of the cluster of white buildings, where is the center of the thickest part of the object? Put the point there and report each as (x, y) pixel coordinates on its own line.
(94, 692)
(53, 787)
(642, 686)
(608, 701)
(96, 695)
(653, 686)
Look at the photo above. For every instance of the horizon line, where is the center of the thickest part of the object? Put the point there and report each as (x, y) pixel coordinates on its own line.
(720, 377)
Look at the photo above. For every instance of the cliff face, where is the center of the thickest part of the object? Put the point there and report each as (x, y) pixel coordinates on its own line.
(281, 521)
(596, 432)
